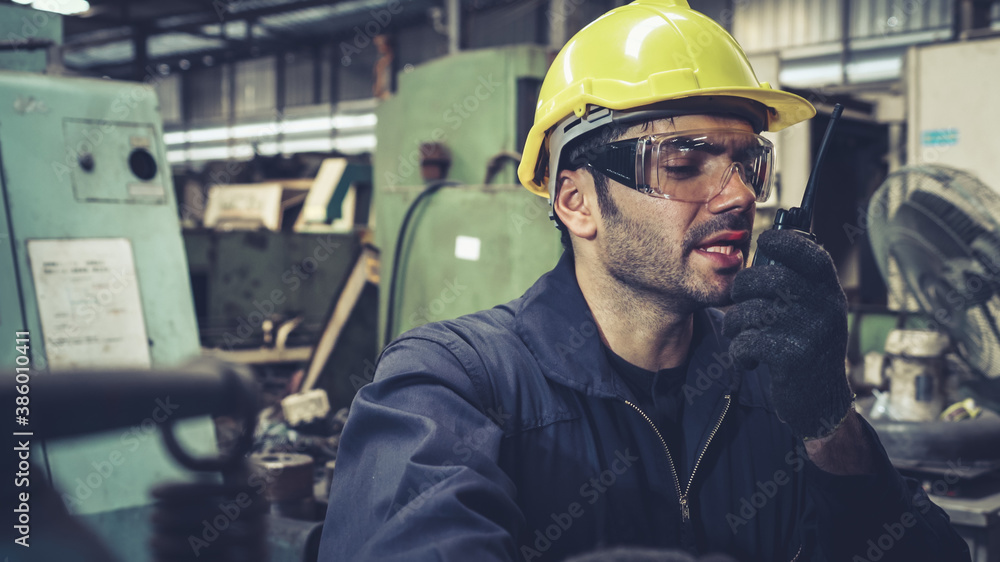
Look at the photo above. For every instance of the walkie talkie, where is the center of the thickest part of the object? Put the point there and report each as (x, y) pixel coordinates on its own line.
(800, 218)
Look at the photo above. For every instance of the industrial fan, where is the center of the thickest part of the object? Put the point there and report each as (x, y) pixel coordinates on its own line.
(935, 233)
(940, 229)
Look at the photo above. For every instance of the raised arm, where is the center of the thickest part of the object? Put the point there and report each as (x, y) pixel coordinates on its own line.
(793, 316)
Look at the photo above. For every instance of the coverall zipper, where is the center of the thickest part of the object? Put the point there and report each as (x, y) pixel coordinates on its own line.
(797, 554)
(683, 496)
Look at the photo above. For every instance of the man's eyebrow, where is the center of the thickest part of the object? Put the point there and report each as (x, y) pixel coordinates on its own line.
(688, 143)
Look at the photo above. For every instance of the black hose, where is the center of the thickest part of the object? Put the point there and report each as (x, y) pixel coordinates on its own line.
(397, 254)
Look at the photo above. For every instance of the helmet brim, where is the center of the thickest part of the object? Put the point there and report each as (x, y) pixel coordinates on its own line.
(784, 109)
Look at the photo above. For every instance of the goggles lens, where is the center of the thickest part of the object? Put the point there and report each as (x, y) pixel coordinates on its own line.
(692, 166)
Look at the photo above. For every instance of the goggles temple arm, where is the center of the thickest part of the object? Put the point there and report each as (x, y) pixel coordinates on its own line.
(573, 127)
(618, 161)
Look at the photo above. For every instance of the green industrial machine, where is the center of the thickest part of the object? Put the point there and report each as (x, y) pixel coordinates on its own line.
(93, 273)
(265, 297)
(469, 246)
(27, 35)
(242, 278)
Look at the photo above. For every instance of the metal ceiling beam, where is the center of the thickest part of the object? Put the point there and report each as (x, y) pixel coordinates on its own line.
(234, 48)
(281, 40)
(219, 16)
(121, 13)
(262, 47)
(99, 37)
(192, 22)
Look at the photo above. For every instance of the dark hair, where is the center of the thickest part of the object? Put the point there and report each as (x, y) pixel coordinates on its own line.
(575, 156)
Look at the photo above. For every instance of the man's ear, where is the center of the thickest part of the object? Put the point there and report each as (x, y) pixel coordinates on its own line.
(576, 203)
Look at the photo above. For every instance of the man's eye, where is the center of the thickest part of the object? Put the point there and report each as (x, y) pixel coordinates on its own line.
(680, 171)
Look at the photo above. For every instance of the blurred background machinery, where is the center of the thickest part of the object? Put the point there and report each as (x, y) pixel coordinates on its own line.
(934, 230)
(470, 238)
(93, 268)
(220, 490)
(95, 281)
(936, 237)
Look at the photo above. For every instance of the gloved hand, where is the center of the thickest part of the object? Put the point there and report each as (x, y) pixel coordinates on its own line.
(793, 316)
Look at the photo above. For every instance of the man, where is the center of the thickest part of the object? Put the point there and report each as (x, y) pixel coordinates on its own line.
(610, 405)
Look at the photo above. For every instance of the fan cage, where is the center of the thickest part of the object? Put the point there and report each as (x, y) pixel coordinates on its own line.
(934, 226)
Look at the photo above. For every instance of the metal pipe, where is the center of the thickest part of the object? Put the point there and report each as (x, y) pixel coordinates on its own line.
(557, 24)
(65, 404)
(845, 39)
(454, 25)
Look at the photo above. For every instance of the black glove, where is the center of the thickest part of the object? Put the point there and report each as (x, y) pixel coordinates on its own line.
(793, 316)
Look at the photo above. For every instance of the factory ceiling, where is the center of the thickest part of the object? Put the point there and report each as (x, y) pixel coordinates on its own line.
(123, 38)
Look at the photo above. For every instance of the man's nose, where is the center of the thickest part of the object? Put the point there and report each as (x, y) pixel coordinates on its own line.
(735, 193)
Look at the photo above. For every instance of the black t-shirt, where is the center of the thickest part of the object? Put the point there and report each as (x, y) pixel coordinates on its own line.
(661, 396)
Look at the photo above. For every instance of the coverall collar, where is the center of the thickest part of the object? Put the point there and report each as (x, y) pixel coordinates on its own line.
(558, 328)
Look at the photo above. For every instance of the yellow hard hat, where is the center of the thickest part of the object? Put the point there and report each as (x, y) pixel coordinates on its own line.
(636, 56)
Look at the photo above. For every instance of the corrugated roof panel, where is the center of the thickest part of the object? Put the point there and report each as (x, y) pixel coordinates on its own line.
(223, 10)
(169, 44)
(119, 52)
(108, 53)
(292, 22)
(289, 21)
(322, 14)
(250, 5)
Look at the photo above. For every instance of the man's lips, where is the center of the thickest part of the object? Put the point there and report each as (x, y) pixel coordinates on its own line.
(725, 249)
(724, 238)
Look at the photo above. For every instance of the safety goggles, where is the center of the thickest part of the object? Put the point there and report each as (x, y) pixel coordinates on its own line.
(691, 166)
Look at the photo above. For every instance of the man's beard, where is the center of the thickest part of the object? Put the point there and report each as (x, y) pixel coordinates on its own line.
(637, 259)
